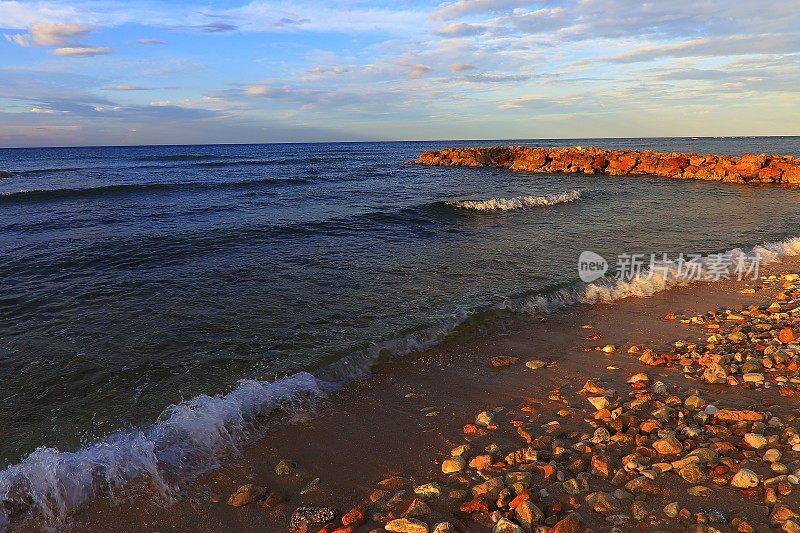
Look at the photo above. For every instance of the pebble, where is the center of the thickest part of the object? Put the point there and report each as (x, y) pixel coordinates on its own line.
(407, 525)
(755, 441)
(304, 516)
(246, 494)
(744, 479)
(484, 419)
(428, 491)
(668, 446)
(535, 364)
(284, 468)
(453, 465)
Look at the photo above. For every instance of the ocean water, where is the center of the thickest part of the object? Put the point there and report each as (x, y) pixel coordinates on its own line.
(154, 301)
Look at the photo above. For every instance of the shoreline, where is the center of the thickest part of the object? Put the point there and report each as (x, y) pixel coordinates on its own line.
(760, 169)
(378, 427)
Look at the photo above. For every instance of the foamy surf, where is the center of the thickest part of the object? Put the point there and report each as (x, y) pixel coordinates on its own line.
(188, 439)
(644, 284)
(193, 437)
(517, 202)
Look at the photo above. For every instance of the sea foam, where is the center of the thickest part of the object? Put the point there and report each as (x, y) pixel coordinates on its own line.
(517, 202)
(192, 437)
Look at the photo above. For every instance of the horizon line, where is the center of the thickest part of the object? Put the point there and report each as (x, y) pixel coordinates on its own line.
(689, 137)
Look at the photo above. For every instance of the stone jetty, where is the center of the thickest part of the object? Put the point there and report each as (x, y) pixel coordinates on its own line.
(749, 168)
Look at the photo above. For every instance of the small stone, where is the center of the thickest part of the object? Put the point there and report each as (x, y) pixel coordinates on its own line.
(739, 415)
(571, 524)
(504, 525)
(715, 373)
(787, 335)
(693, 474)
(246, 494)
(312, 485)
(489, 489)
(406, 525)
(461, 451)
(575, 485)
(694, 402)
(668, 446)
(699, 490)
(755, 441)
(453, 465)
(428, 491)
(417, 508)
(354, 517)
(609, 348)
(444, 527)
(481, 462)
(528, 515)
(304, 516)
(599, 402)
(535, 364)
(284, 468)
(603, 503)
(484, 419)
(772, 455)
(672, 509)
(501, 361)
(753, 377)
(744, 479)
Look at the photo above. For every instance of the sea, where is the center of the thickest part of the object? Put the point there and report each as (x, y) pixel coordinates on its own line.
(157, 302)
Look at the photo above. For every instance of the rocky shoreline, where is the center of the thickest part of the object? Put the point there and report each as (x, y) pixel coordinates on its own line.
(671, 413)
(749, 168)
(641, 442)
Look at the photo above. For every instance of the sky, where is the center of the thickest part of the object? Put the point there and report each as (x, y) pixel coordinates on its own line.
(104, 72)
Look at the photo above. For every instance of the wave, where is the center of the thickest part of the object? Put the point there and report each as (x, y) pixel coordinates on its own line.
(179, 157)
(134, 188)
(644, 284)
(517, 202)
(192, 437)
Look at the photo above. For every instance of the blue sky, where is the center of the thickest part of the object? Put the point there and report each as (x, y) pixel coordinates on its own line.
(114, 72)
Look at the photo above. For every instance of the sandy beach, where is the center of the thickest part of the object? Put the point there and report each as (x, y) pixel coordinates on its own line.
(404, 420)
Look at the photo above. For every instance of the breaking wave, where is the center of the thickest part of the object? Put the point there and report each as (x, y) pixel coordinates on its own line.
(644, 284)
(517, 202)
(192, 438)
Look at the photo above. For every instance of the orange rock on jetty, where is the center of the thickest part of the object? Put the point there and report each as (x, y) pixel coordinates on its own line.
(761, 168)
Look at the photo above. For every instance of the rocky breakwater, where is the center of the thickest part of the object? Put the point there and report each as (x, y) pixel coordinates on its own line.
(755, 169)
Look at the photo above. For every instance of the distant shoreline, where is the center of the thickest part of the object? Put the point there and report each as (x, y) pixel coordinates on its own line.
(747, 169)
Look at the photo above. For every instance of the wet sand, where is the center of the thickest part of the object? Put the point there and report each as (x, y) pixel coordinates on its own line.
(378, 426)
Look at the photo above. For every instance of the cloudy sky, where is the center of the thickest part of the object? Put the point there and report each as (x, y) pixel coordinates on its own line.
(116, 72)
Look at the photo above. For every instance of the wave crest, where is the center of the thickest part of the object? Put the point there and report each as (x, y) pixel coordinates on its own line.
(517, 202)
(188, 439)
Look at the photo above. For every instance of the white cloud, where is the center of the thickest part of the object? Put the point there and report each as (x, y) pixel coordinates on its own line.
(81, 51)
(417, 71)
(460, 29)
(50, 34)
(461, 67)
(147, 41)
(714, 46)
(462, 8)
(128, 88)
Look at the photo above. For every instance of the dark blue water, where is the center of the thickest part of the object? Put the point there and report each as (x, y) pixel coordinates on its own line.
(135, 278)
